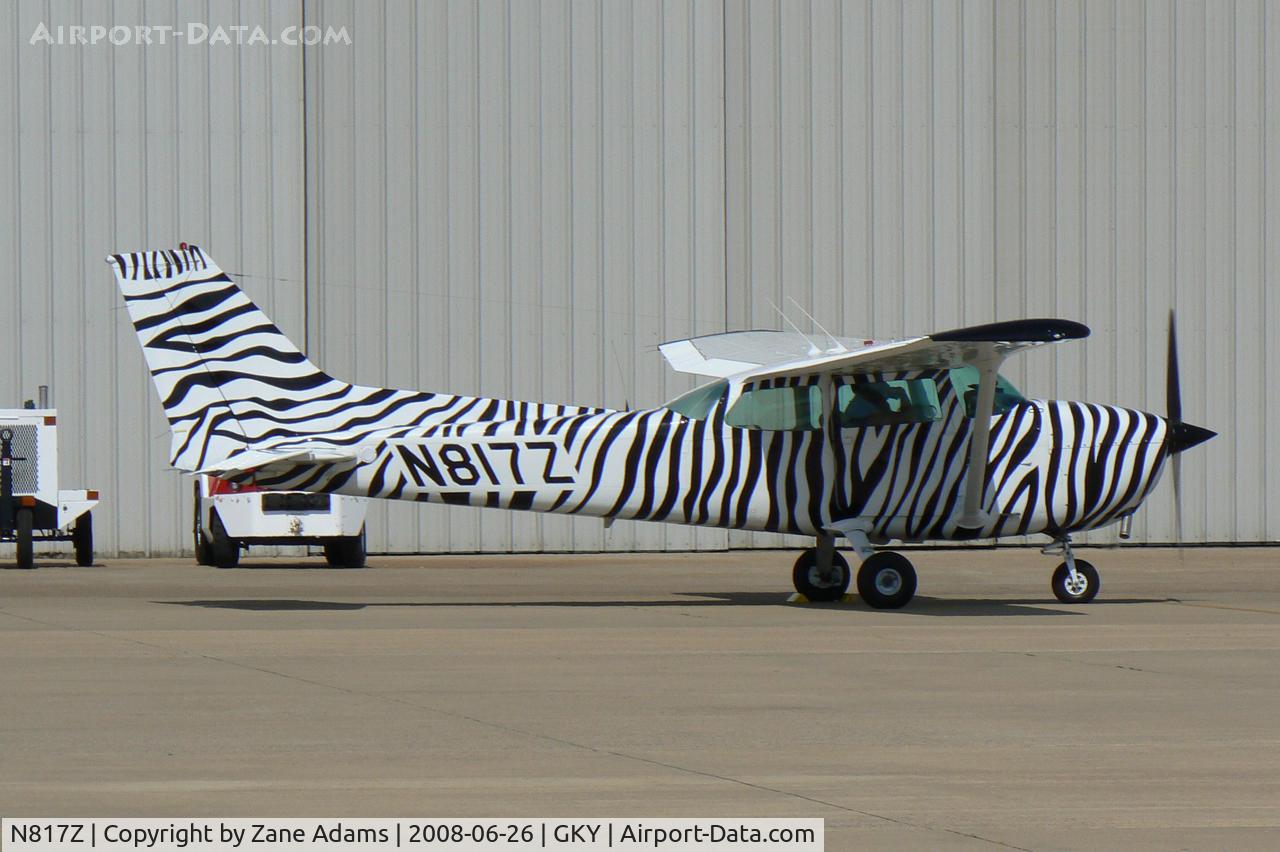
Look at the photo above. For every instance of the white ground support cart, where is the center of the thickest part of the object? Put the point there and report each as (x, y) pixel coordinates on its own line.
(32, 507)
(229, 518)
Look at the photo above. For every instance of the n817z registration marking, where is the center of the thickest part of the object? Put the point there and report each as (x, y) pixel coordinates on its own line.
(496, 462)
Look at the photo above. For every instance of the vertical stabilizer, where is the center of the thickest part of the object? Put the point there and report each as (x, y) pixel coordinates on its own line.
(218, 362)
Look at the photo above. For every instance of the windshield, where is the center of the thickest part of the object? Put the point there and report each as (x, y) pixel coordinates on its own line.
(965, 382)
(697, 403)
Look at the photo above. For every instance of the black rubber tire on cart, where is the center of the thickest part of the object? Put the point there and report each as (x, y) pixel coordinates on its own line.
(346, 552)
(22, 527)
(810, 583)
(204, 551)
(82, 539)
(224, 549)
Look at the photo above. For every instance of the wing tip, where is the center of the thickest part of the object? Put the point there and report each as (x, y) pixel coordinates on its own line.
(1039, 330)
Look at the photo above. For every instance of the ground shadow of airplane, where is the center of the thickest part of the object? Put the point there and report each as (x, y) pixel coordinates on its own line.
(926, 606)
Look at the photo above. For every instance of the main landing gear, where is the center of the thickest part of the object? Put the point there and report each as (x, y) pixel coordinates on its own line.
(821, 573)
(1075, 580)
(886, 580)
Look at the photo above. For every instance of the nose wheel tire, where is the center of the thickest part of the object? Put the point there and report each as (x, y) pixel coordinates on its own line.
(819, 586)
(886, 580)
(1082, 589)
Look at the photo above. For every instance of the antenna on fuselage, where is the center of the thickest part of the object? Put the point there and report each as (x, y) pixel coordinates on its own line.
(626, 386)
(813, 349)
(839, 347)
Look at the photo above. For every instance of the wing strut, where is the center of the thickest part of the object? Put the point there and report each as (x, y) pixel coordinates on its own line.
(973, 513)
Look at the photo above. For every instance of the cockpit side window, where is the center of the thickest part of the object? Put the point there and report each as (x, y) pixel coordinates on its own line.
(697, 403)
(780, 409)
(965, 382)
(888, 403)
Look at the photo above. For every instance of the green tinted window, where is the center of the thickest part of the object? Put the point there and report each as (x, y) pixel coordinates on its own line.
(888, 403)
(697, 403)
(778, 409)
(965, 382)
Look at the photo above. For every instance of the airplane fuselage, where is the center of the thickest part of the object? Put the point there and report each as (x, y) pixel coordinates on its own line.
(1053, 467)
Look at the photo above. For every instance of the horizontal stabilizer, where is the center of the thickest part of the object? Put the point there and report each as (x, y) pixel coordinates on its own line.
(278, 459)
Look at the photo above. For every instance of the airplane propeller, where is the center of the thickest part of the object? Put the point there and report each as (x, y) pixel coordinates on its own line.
(1183, 435)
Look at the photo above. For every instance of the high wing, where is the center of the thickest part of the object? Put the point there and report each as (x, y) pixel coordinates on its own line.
(756, 355)
(723, 355)
(753, 356)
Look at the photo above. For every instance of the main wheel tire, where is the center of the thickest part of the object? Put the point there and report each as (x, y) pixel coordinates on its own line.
(26, 557)
(886, 580)
(809, 581)
(82, 540)
(1084, 589)
(204, 551)
(224, 549)
(346, 552)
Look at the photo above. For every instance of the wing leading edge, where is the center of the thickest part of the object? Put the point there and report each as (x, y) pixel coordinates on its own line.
(757, 355)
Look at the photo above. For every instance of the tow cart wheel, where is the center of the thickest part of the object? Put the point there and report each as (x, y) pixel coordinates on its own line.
(224, 549)
(82, 540)
(204, 551)
(809, 581)
(22, 535)
(886, 580)
(1084, 589)
(346, 552)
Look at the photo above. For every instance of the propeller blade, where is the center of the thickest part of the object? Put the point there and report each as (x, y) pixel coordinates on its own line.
(1176, 461)
(1173, 384)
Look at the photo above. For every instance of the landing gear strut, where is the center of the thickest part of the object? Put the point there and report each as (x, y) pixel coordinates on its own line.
(1075, 580)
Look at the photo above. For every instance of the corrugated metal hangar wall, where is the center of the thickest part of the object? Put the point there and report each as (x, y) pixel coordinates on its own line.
(524, 198)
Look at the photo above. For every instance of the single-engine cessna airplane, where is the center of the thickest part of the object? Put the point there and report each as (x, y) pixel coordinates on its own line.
(914, 439)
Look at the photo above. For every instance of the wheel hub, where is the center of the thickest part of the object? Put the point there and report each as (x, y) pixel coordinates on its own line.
(824, 579)
(888, 582)
(1077, 583)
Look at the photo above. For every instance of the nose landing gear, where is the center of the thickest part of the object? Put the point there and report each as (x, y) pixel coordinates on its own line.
(1075, 580)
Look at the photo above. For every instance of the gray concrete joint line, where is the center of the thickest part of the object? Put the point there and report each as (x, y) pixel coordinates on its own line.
(1041, 656)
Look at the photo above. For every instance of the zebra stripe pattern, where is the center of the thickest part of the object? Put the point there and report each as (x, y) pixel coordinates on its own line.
(229, 380)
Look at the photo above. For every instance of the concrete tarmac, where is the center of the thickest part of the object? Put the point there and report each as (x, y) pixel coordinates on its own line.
(984, 715)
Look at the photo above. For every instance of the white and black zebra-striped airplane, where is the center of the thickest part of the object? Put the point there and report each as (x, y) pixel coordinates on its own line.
(914, 439)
